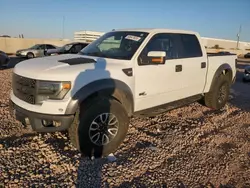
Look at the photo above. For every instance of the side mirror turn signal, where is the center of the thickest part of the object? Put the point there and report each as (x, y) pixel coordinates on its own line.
(157, 57)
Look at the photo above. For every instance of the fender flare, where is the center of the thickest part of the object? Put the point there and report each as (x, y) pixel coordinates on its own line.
(104, 87)
(223, 67)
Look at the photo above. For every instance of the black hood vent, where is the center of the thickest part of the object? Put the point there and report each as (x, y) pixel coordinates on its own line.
(78, 60)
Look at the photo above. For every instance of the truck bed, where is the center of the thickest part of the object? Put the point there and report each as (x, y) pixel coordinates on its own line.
(216, 60)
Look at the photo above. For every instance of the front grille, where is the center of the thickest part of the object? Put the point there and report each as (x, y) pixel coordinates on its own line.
(24, 88)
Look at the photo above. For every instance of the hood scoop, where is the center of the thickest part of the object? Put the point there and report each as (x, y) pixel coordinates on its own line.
(78, 60)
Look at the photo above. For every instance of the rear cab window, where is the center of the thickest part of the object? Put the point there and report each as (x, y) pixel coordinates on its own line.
(190, 46)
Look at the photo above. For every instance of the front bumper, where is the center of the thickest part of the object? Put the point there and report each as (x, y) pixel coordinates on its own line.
(20, 55)
(35, 119)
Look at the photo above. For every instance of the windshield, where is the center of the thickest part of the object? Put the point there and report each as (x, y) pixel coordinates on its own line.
(35, 46)
(66, 47)
(116, 45)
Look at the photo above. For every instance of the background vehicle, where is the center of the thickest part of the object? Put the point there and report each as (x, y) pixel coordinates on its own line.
(37, 50)
(71, 48)
(124, 73)
(224, 52)
(4, 59)
(247, 55)
(246, 76)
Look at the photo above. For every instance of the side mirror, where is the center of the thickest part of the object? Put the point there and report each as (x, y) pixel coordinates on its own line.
(157, 57)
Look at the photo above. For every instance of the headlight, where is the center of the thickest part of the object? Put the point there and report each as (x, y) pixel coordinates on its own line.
(52, 90)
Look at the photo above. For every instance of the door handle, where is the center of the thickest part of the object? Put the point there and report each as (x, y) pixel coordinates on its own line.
(203, 65)
(142, 93)
(178, 68)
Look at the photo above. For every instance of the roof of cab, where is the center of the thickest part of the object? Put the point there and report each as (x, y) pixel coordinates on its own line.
(157, 30)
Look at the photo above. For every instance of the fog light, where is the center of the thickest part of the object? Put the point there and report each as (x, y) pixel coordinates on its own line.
(47, 123)
(27, 121)
(56, 123)
(50, 123)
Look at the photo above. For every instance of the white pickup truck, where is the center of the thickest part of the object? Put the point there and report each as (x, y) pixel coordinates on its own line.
(122, 74)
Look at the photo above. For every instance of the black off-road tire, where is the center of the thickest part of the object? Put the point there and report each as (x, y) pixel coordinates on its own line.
(88, 111)
(30, 55)
(221, 87)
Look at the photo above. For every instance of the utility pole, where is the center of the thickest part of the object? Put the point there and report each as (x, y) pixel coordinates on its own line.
(238, 37)
(63, 27)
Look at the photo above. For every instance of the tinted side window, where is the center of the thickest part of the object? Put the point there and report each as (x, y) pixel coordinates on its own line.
(78, 48)
(84, 45)
(162, 42)
(41, 47)
(50, 46)
(190, 46)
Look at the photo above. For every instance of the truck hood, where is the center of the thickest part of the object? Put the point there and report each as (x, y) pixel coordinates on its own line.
(68, 65)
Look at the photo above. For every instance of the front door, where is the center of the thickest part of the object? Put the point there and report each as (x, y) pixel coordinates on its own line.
(157, 84)
(40, 50)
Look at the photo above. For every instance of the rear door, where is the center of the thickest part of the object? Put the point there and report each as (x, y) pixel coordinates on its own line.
(194, 65)
(48, 48)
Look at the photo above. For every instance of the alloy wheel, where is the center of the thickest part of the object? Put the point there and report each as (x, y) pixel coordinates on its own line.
(103, 129)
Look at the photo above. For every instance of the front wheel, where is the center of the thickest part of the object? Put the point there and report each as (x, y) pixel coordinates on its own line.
(100, 127)
(30, 55)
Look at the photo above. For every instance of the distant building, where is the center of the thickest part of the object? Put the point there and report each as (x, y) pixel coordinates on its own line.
(223, 43)
(6, 36)
(87, 36)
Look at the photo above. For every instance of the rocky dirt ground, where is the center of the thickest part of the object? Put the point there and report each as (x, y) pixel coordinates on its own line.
(188, 147)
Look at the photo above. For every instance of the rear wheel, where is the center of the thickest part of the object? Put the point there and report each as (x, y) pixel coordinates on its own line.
(100, 127)
(218, 96)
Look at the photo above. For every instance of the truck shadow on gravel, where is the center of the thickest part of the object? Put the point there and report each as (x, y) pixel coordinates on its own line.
(61, 145)
(17, 140)
(91, 162)
(89, 171)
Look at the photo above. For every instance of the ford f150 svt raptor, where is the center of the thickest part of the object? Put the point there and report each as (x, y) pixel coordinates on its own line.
(122, 74)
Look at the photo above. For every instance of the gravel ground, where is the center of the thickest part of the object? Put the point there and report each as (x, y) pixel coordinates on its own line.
(187, 147)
